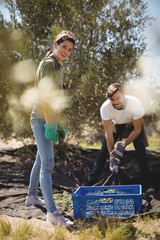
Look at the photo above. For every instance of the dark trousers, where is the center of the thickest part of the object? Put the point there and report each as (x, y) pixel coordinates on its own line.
(139, 146)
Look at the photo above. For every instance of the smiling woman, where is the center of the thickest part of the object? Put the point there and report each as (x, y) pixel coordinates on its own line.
(46, 126)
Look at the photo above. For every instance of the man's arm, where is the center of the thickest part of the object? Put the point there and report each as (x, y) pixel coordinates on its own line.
(136, 131)
(108, 129)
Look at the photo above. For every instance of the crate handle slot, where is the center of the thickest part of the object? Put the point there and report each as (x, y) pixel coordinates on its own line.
(109, 191)
(106, 200)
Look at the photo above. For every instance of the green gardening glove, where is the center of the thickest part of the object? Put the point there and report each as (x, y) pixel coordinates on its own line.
(51, 132)
(61, 130)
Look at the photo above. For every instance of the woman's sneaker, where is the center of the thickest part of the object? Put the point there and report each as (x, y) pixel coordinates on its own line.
(34, 200)
(57, 219)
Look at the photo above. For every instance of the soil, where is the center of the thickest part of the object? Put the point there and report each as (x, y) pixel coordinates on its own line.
(72, 166)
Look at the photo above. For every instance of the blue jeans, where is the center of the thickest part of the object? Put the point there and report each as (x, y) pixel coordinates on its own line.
(43, 165)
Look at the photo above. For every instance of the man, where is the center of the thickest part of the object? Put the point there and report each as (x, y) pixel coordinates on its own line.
(122, 118)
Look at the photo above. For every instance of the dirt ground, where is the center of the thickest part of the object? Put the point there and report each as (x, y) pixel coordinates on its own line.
(72, 167)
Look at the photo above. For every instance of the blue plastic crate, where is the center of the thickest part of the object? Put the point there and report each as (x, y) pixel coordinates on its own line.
(109, 201)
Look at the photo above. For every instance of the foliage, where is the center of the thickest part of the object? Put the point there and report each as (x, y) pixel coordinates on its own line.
(109, 39)
(11, 46)
(7, 57)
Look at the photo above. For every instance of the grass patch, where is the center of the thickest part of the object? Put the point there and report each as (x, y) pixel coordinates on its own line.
(98, 229)
(5, 228)
(96, 145)
(153, 143)
(23, 231)
(61, 234)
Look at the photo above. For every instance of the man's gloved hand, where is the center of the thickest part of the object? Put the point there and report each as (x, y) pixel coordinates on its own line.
(51, 132)
(119, 150)
(114, 163)
(61, 131)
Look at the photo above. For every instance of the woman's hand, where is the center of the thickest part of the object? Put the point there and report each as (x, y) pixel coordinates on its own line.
(51, 132)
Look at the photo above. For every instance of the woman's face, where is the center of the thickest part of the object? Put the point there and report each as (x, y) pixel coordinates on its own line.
(63, 50)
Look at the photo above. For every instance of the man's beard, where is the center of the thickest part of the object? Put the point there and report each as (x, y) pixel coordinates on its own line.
(119, 107)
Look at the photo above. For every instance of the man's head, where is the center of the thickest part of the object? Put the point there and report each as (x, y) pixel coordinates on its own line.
(116, 96)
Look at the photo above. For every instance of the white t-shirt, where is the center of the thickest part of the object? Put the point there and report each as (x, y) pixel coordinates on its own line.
(133, 110)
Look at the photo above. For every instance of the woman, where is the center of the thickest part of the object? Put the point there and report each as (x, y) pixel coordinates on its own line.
(44, 127)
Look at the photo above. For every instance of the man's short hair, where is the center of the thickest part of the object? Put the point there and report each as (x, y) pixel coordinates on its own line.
(112, 89)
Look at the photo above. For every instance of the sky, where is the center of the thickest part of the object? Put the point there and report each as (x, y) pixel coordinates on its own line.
(154, 9)
(153, 39)
(3, 9)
